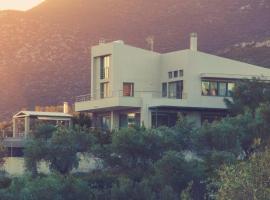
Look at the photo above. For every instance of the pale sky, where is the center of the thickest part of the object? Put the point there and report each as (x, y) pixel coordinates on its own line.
(18, 4)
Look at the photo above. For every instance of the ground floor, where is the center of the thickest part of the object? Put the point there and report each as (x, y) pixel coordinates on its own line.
(152, 117)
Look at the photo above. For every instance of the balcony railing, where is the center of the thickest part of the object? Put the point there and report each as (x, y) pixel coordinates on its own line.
(120, 93)
(83, 98)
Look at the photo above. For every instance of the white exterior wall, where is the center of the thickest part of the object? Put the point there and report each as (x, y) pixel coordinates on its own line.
(217, 67)
(137, 66)
(148, 70)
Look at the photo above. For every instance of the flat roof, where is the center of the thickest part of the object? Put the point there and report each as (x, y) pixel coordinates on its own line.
(41, 114)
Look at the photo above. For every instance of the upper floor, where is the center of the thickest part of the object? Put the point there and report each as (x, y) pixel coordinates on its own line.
(126, 76)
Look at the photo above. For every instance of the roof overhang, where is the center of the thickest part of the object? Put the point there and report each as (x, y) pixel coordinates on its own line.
(232, 76)
(23, 114)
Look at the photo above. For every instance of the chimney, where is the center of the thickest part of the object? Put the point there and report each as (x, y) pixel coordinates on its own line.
(194, 41)
(65, 108)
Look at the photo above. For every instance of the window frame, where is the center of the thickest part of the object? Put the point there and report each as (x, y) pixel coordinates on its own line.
(170, 75)
(105, 64)
(218, 82)
(164, 89)
(181, 73)
(178, 94)
(104, 90)
(131, 89)
(175, 74)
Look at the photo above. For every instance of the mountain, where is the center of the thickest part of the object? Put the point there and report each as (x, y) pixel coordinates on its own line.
(44, 52)
(256, 52)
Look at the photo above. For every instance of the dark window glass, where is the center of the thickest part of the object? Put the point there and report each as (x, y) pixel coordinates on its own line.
(163, 119)
(105, 122)
(104, 90)
(170, 74)
(175, 90)
(175, 74)
(210, 117)
(222, 89)
(164, 89)
(104, 67)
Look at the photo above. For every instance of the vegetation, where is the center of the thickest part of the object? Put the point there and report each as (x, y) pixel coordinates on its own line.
(247, 179)
(227, 159)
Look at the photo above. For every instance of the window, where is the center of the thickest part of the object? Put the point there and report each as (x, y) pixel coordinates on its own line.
(213, 89)
(170, 74)
(104, 67)
(104, 90)
(217, 88)
(160, 118)
(210, 117)
(222, 89)
(129, 120)
(231, 87)
(205, 88)
(175, 74)
(105, 122)
(181, 73)
(128, 89)
(164, 89)
(175, 90)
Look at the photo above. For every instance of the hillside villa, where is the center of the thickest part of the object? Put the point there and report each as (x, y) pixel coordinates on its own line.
(132, 86)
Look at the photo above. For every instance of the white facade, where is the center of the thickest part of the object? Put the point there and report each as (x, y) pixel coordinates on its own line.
(131, 85)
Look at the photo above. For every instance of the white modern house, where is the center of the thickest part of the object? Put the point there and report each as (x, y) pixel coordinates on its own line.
(133, 86)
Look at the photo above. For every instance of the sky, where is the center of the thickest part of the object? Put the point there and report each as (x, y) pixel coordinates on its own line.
(18, 4)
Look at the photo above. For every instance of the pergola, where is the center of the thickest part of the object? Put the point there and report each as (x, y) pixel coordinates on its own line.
(25, 121)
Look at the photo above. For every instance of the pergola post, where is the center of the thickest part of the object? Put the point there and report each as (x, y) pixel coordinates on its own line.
(94, 120)
(70, 123)
(112, 121)
(26, 126)
(14, 126)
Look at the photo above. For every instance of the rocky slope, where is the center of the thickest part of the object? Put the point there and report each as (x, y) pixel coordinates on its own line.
(44, 52)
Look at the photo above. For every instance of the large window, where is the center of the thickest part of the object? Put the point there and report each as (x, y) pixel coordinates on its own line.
(164, 90)
(104, 90)
(104, 67)
(129, 120)
(128, 89)
(213, 88)
(217, 88)
(175, 90)
(210, 117)
(222, 89)
(205, 88)
(105, 122)
(231, 87)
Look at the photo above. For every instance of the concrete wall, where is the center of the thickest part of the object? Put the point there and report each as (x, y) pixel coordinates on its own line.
(148, 70)
(15, 165)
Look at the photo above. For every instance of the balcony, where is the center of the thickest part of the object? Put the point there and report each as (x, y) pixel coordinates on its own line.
(116, 100)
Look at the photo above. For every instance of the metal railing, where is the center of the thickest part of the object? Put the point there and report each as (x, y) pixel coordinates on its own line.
(83, 98)
(120, 93)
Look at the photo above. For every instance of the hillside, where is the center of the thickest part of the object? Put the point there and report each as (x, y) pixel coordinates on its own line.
(44, 54)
